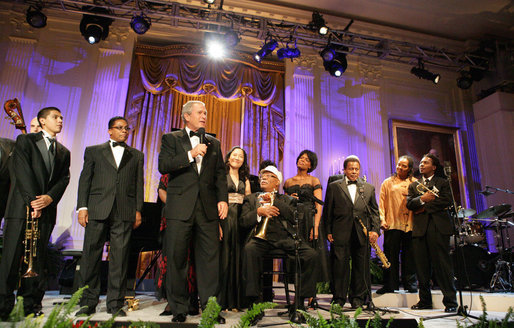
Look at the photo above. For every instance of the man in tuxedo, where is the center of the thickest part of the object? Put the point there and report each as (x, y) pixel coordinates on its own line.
(6, 148)
(39, 176)
(347, 201)
(34, 126)
(196, 199)
(110, 200)
(431, 231)
(279, 235)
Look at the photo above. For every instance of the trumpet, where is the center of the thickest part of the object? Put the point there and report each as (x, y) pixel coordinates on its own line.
(380, 253)
(421, 188)
(31, 238)
(261, 233)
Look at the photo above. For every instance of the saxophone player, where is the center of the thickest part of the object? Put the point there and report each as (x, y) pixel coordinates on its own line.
(347, 200)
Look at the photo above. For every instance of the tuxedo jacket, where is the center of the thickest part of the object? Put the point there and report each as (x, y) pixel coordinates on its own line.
(185, 183)
(6, 148)
(340, 213)
(30, 176)
(280, 227)
(102, 183)
(436, 209)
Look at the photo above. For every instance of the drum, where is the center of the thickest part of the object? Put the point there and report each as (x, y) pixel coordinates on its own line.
(473, 232)
(473, 266)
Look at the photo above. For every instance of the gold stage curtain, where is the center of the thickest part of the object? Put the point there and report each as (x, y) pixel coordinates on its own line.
(245, 103)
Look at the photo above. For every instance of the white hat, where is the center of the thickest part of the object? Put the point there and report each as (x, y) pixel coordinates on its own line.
(274, 170)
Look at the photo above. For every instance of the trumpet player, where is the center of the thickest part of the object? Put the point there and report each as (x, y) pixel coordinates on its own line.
(347, 200)
(278, 211)
(39, 176)
(431, 231)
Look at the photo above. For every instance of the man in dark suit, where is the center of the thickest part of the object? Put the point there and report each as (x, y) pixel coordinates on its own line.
(39, 176)
(431, 231)
(110, 200)
(6, 148)
(279, 235)
(196, 198)
(347, 201)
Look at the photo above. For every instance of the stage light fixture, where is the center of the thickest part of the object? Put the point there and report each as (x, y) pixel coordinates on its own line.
(35, 17)
(464, 81)
(422, 73)
(95, 28)
(337, 66)
(231, 38)
(140, 23)
(288, 52)
(328, 53)
(209, 2)
(318, 24)
(266, 49)
(215, 45)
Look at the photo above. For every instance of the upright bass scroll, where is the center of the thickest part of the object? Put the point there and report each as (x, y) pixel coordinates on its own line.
(10, 107)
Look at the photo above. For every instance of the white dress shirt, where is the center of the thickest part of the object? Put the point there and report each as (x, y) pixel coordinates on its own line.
(352, 189)
(194, 142)
(46, 135)
(117, 152)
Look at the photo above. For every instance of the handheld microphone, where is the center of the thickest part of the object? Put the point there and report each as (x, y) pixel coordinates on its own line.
(201, 135)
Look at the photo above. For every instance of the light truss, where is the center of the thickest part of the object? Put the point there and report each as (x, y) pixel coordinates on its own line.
(191, 17)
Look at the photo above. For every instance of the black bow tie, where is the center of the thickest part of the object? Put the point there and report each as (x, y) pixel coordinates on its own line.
(351, 182)
(121, 144)
(192, 134)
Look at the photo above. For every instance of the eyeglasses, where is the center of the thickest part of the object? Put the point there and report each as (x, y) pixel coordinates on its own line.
(121, 128)
(268, 176)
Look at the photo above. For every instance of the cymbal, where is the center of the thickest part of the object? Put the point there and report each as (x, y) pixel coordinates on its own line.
(494, 211)
(465, 212)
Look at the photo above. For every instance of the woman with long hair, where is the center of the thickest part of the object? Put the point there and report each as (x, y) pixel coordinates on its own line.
(307, 189)
(396, 221)
(230, 261)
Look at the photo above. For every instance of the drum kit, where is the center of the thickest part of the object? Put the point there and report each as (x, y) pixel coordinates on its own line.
(471, 240)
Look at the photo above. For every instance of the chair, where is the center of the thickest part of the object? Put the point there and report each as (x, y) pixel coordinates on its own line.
(276, 254)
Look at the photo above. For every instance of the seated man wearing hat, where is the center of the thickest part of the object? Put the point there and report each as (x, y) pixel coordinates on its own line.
(279, 209)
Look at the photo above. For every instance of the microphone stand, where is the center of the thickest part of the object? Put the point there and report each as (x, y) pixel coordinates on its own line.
(371, 306)
(462, 310)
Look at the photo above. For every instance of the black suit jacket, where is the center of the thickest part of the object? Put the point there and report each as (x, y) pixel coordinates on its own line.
(29, 177)
(436, 208)
(340, 212)
(102, 182)
(279, 227)
(6, 148)
(185, 184)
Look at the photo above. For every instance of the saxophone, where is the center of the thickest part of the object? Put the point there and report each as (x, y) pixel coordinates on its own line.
(380, 253)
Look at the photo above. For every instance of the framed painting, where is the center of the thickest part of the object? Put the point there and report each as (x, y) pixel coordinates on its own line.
(416, 139)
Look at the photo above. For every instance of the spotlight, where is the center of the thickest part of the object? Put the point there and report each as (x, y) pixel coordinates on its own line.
(140, 24)
(318, 24)
(337, 66)
(35, 17)
(288, 52)
(328, 53)
(231, 38)
(266, 49)
(209, 2)
(215, 45)
(95, 28)
(422, 73)
(464, 81)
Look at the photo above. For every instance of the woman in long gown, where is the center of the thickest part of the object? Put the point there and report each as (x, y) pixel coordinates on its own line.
(307, 189)
(230, 262)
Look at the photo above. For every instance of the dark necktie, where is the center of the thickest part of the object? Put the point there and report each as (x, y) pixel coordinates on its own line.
(121, 144)
(51, 149)
(192, 134)
(351, 182)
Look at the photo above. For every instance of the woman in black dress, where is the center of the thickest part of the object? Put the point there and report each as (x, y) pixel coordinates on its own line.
(307, 189)
(230, 261)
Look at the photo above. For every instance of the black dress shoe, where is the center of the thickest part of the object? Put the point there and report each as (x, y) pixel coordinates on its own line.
(165, 313)
(421, 306)
(86, 311)
(450, 309)
(117, 312)
(194, 311)
(384, 290)
(181, 317)
(220, 320)
(412, 290)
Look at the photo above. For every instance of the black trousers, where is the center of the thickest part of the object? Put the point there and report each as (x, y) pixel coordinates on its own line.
(204, 234)
(118, 233)
(31, 289)
(398, 243)
(252, 265)
(432, 252)
(359, 274)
